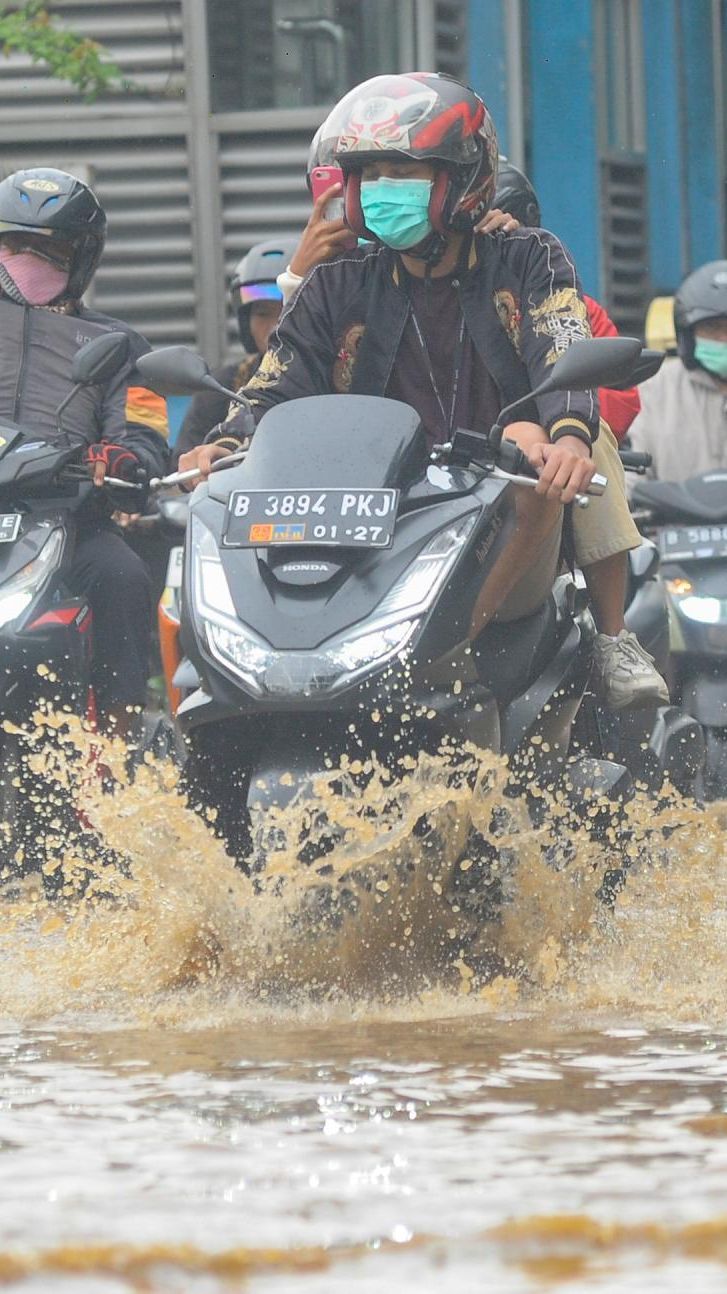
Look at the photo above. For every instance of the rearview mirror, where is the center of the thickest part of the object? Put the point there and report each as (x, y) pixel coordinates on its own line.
(592, 361)
(100, 359)
(648, 363)
(176, 370)
(597, 361)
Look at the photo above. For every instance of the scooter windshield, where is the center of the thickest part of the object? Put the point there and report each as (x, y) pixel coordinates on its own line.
(334, 441)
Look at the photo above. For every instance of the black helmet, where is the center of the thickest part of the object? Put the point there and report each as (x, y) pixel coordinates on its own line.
(43, 200)
(516, 195)
(254, 279)
(425, 116)
(702, 295)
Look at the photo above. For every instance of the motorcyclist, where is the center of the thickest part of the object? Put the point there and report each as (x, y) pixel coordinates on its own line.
(413, 315)
(683, 418)
(257, 302)
(604, 532)
(52, 235)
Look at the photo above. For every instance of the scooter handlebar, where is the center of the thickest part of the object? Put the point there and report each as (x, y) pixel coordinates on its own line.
(595, 489)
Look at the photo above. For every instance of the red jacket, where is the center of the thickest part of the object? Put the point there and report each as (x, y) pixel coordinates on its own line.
(618, 408)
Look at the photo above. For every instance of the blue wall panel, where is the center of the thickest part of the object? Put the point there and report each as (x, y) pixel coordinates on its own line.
(703, 232)
(563, 128)
(487, 64)
(663, 144)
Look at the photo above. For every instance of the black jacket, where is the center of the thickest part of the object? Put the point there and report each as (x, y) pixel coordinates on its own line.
(36, 352)
(522, 304)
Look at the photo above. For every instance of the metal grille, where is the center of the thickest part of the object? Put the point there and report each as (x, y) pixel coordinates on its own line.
(625, 242)
(143, 38)
(264, 194)
(146, 275)
(450, 34)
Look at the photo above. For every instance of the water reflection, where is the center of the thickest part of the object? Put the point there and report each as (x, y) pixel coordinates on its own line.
(394, 1146)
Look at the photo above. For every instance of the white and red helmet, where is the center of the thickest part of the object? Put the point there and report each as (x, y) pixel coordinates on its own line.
(418, 116)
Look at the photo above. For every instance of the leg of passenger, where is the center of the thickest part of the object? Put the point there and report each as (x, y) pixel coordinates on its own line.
(606, 581)
(117, 585)
(604, 532)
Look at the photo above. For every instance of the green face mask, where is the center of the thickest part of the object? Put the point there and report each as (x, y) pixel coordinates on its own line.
(712, 355)
(397, 211)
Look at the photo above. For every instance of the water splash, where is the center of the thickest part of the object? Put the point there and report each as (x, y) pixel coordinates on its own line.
(398, 912)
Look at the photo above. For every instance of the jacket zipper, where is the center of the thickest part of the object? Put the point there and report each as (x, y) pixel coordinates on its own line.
(21, 366)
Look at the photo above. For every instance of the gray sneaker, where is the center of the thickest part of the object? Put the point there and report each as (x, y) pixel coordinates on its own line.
(626, 677)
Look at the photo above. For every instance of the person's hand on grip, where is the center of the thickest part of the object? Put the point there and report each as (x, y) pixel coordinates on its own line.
(105, 459)
(565, 468)
(200, 458)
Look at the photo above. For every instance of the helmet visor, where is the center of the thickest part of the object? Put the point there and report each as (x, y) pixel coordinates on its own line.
(250, 292)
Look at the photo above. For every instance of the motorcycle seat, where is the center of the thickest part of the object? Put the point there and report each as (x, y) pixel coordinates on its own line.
(509, 655)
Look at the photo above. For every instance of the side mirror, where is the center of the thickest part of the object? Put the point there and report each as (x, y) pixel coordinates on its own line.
(648, 363)
(100, 359)
(599, 361)
(176, 370)
(592, 361)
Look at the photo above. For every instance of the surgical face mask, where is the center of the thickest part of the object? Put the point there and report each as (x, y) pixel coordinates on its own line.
(712, 355)
(397, 211)
(29, 279)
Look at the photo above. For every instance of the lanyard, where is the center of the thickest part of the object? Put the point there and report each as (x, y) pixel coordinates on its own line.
(447, 423)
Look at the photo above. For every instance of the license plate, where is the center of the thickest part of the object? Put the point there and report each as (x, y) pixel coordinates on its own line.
(685, 543)
(175, 568)
(9, 526)
(336, 518)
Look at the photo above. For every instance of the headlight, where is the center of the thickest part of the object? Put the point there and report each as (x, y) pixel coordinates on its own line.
(18, 592)
(267, 672)
(707, 611)
(415, 590)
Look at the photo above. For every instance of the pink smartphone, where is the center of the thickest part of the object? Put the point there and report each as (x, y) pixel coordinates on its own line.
(322, 178)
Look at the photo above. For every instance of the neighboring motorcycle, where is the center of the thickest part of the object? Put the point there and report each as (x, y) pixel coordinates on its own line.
(46, 631)
(688, 523)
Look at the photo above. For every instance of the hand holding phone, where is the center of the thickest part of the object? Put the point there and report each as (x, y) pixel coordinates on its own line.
(322, 179)
(326, 234)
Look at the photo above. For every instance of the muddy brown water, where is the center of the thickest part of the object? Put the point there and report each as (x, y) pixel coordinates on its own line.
(197, 1096)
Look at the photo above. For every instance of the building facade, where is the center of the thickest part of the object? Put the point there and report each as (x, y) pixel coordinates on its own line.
(205, 154)
(615, 108)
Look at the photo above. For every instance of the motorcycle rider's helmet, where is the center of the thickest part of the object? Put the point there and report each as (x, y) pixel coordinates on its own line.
(254, 279)
(58, 206)
(702, 295)
(516, 195)
(417, 116)
(320, 153)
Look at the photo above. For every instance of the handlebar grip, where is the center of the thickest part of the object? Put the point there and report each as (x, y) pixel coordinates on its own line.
(630, 458)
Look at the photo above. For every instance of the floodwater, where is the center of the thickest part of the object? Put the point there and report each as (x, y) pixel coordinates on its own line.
(199, 1094)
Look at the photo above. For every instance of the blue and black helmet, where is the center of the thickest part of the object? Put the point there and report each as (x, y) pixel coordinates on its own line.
(254, 278)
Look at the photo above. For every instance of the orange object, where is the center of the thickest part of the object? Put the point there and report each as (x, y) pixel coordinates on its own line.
(170, 652)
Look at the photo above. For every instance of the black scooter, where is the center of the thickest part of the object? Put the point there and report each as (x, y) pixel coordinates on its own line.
(688, 524)
(46, 632)
(329, 584)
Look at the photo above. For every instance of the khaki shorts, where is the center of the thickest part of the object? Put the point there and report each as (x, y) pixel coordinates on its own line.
(606, 526)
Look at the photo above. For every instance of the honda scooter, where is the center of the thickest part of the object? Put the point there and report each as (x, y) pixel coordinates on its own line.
(329, 586)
